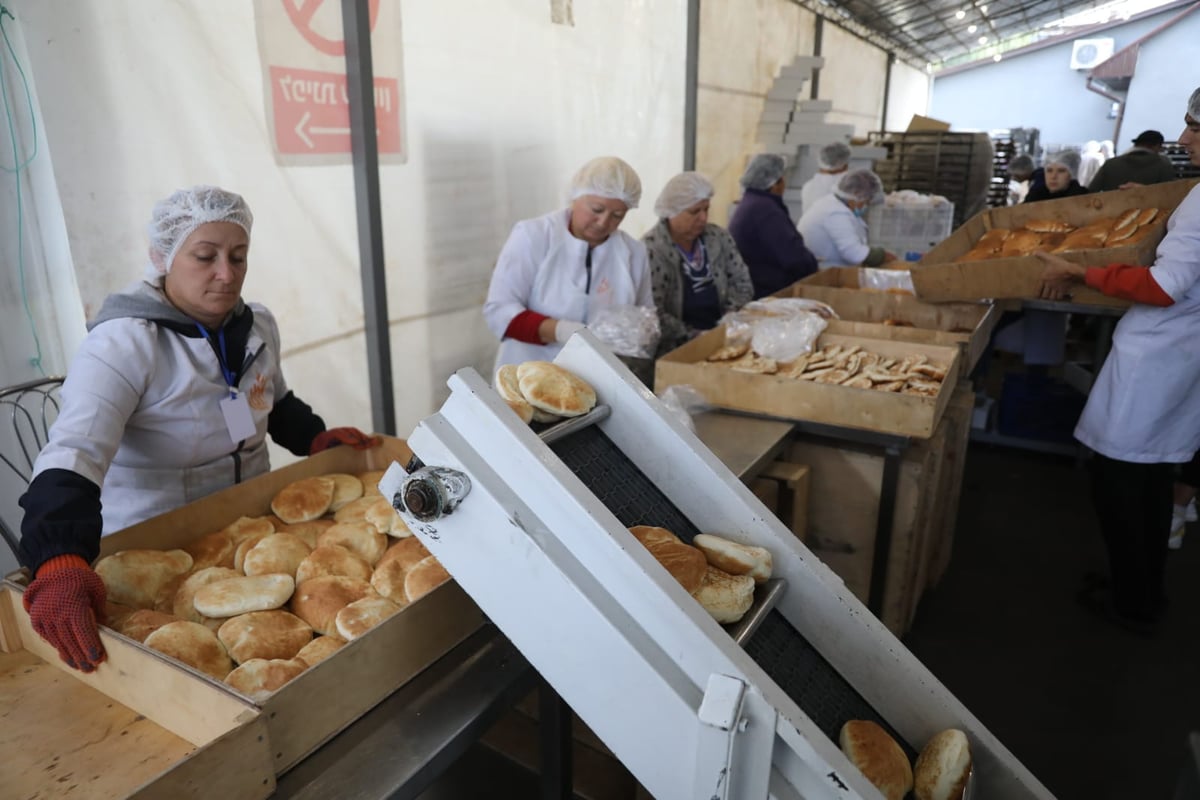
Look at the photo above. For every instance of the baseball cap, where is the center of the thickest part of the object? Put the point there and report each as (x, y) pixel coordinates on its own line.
(1149, 137)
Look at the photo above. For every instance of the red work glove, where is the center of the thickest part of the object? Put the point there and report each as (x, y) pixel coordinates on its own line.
(65, 604)
(335, 436)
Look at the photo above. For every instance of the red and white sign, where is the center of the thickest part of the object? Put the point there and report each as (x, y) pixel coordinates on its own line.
(302, 50)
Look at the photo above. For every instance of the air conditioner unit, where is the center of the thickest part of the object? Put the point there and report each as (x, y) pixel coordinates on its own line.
(1087, 53)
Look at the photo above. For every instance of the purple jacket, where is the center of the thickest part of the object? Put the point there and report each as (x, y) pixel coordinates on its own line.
(770, 244)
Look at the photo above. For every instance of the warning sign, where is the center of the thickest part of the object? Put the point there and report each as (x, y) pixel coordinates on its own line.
(304, 69)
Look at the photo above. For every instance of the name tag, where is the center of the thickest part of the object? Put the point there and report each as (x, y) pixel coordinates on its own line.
(238, 418)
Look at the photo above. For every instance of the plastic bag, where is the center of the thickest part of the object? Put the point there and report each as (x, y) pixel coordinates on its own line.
(787, 306)
(627, 330)
(683, 401)
(897, 281)
(787, 338)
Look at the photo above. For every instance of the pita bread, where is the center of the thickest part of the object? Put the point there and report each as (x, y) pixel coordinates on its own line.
(729, 352)
(725, 597)
(345, 488)
(320, 649)
(115, 614)
(935, 372)
(332, 559)
(184, 606)
(308, 531)
(244, 547)
(246, 527)
(259, 678)
(878, 757)
(859, 382)
(194, 645)
(382, 517)
(234, 596)
(425, 576)
(734, 557)
(362, 539)
(399, 529)
(1048, 226)
(135, 577)
(943, 767)
(407, 551)
(279, 554)
(165, 600)
(388, 580)
(509, 390)
(304, 499)
(143, 622)
(214, 550)
(754, 364)
(685, 563)
(317, 601)
(264, 634)
(360, 616)
(543, 418)
(370, 481)
(356, 511)
(550, 388)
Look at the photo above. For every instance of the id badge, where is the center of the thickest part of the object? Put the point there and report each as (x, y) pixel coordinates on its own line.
(238, 418)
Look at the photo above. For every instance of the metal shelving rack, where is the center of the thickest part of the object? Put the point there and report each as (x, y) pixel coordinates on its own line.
(931, 162)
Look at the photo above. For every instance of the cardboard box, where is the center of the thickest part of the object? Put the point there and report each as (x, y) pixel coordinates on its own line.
(138, 727)
(898, 317)
(789, 398)
(920, 123)
(312, 708)
(937, 279)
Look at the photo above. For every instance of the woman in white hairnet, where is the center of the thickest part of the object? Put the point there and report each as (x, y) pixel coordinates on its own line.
(557, 271)
(1142, 416)
(696, 272)
(169, 398)
(834, 228)
(1060, 170)
(833, 160)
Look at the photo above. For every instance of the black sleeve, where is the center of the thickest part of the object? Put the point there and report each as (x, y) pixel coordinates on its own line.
(293, 424)
(62, 517)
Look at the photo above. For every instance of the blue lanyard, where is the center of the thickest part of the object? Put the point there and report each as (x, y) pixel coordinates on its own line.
(222, 359)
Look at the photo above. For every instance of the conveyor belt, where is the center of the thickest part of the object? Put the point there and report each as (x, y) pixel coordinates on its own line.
(777, 647)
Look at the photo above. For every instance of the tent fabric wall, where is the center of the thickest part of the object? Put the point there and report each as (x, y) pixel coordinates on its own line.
(502, 107)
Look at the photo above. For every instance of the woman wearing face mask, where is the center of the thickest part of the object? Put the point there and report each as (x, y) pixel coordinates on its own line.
(1060, 170)
(834, 228)
(557, 271)
(695, 270)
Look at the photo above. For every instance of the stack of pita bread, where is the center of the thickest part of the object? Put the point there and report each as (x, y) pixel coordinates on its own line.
(261, 600)
(541, 391)
(720, 573)
(843, 366)
(1056, 236)
(940, 773)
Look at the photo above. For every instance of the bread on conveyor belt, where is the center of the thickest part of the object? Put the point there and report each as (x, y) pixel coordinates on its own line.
(734, 557)
(278, 554)
(877, 755)
(725, 597)
(304, 499)
(194, 645)
(318, 601)
(685, 563)
(135, 577)
(234, 596)
(320, 649)
(360, 616)
(258, 678)
(264, 634)
(554, 390)
(508, 389)
(332, 559)
(943, 767)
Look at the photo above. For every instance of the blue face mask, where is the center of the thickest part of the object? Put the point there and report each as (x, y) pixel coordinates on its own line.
(860, 212)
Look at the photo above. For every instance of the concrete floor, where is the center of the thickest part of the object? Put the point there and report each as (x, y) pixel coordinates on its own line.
(1094, 712)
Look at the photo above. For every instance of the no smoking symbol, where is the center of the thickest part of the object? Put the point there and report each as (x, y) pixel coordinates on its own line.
(301, 13)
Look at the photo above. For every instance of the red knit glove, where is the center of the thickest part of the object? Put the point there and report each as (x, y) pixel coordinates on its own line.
(65, 604)
(335, 436)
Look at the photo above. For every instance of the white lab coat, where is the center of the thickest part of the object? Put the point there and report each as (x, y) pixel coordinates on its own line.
(833, 234)
(816, 187)
(1145, 404)
(141, 417)
(541, 268)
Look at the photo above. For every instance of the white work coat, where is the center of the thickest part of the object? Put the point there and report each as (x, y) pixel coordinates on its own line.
(1145, 404)
(141, 417)
(833, 234)
(542, 269)
(816, 187)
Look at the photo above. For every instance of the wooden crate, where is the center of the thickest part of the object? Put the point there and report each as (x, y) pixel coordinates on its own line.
(937, 278)
(788, 398)
(312, 708)
(138, 727)
(902, 318)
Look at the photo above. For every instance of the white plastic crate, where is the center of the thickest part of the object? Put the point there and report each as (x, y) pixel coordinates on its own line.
(909, 229)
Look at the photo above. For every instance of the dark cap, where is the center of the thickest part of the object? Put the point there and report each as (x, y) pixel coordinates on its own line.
(1152, 138)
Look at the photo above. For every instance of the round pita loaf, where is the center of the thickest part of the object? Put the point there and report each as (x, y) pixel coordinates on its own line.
(244, 547)
(278, 554)
(362, 539)
(184, 603)
(550, 388)
(345, 489)
(734, 557)
(381, 516)
(360, 616)
(194, 645)
(509, 390)
(320, 649)
(409, 552)
(400, 529)
(317, 601)
(115, 614)
(542, 418)
(303, 500)
(214, 550)
(165, 600)
(370, 482)
(425, 576)
(143, 622)
(725, 597)
(259, 678)
(356, 510)
(332, 559)
(264, 634)
(685, 563)
(308, 531)
(877, 755)
(246, 527)
(234, 596)
(943, 767)
(135, 577)
(388, 580)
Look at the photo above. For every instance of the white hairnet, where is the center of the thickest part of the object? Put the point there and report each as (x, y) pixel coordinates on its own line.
(859, 184)
(1193, 108)
(1092, 146)
(1021, 163)
(834, 155)
(763, 171)
(608, 177)
(174, 219)
(681, 193)
(1067, 158)
(1106, 148)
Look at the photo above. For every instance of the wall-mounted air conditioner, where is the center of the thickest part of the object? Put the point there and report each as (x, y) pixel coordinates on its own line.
(1087, 53)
